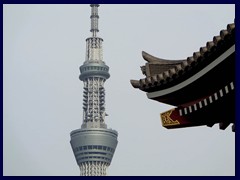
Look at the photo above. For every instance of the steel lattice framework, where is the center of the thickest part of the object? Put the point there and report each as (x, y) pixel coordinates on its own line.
(94, 145)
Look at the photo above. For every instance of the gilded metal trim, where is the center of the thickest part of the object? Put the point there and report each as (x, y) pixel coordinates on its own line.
(167, 120)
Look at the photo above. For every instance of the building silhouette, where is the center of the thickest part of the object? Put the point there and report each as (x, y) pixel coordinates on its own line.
(201, 87)
(94, 144)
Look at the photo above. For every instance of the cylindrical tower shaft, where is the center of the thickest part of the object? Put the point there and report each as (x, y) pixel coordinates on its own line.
(94, 103)
(94, 145)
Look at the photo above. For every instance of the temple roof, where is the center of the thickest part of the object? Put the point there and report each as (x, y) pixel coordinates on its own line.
(200, 86)
(162, 73)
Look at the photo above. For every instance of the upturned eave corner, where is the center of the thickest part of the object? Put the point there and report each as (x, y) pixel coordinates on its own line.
(135, 83)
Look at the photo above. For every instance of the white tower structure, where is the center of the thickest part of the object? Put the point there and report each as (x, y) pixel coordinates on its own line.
(93, 144)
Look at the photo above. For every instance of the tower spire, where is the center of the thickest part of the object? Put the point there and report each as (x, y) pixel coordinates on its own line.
(94, 19)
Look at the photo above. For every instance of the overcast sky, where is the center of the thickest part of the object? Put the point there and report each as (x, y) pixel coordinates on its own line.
(43, 47)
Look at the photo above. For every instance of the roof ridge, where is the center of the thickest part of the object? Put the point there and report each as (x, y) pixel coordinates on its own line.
(152, 59)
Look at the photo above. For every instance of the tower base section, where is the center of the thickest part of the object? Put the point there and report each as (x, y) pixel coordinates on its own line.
(93, 149)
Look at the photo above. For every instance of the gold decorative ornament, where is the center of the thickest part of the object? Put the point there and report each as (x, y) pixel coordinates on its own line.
(167, 120)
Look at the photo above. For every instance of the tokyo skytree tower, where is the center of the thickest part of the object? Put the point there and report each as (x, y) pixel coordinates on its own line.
(94, 144)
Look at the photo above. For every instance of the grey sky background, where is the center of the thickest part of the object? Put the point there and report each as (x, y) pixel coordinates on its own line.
(43, 47)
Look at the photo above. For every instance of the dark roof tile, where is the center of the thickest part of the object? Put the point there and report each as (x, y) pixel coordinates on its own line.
(210, 45)
(230, 28)
(223, 33)
(216, 40)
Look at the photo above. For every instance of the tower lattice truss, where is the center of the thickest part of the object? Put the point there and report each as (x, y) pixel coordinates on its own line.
(94, 102)
(93, 169)
(94, 144)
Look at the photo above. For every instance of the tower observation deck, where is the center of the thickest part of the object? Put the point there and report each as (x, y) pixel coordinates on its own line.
(94, 144)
